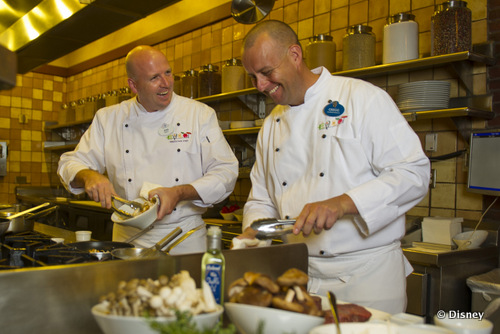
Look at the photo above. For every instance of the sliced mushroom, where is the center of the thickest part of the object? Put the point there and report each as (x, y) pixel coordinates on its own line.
(292, 277)
(282, 303)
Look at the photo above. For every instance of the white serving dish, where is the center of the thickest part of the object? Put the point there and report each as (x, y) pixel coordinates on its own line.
(247, 319)
(141, 221)
(116, 324)
(463, 242)
(465, 326)
(379, 328)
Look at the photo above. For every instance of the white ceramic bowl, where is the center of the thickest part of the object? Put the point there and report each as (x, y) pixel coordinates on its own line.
(141, 221)
(247, 319)
(227, 216)
(465, 326)
(379, 328)
(463, 242)
(116, 324)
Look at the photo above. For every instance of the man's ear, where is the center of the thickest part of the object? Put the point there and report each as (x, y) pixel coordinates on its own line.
(131, 84)
(296, 53)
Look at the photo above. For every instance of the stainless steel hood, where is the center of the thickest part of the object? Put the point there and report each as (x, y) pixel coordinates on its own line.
(59, 32)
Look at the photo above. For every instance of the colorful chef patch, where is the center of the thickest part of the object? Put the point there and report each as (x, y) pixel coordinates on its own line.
(335, 111)
(167, 131)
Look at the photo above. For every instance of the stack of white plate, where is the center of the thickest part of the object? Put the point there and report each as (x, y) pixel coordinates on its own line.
(423, 95)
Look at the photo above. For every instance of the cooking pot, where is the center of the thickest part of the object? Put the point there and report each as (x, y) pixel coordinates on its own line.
(100, 249)
(22, 221)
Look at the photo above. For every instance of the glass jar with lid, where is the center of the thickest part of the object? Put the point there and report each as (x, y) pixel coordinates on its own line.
(451, 27)
(359, 47)
(233, 76)
(177, 84)
(400, 41)
(189, 84)
(321, 52)
(209, 80)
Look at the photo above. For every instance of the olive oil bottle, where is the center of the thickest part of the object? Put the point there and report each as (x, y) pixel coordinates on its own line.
(213, 264)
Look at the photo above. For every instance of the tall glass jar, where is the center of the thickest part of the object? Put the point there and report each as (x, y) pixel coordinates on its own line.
(189, 84)
(359, 47)
(451, 28)
(321, 52)
(233, 76)
(209, 80)
(400, 41)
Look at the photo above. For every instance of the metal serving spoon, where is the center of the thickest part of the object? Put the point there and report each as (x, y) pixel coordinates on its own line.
(137, 207)
(272, 228)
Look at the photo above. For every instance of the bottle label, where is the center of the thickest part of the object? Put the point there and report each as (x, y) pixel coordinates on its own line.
(213, 276)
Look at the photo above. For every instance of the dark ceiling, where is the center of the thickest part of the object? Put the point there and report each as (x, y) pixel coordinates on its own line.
(96, 20)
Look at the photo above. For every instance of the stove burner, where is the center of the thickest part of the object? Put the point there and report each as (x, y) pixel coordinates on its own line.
(33, 249)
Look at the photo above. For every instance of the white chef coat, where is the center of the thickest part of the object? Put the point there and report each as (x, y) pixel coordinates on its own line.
(182, 144)
(361, 146)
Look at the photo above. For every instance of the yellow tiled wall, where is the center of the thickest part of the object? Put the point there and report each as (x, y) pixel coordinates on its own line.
(222, 40)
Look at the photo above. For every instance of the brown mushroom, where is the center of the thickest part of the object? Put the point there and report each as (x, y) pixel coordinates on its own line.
(281, 303)
(261, 280)
(293, 276)
(253, 295)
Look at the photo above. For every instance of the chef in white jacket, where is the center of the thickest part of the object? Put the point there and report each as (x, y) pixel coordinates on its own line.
(169, 142)
(337, 155)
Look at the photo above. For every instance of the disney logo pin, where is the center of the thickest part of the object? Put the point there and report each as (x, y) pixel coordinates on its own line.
(164, 130)
(333, 109)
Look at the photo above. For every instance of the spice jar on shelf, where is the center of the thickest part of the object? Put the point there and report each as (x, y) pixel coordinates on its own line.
(209, 80)
(400, 41)
(80, 110)
(359, 47)
(189, 84)
(451, 27)
(321, 52)
(233, 76)
(177, 84)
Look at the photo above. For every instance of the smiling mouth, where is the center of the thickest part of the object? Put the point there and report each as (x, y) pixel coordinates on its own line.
(163, 93)
(272, 91)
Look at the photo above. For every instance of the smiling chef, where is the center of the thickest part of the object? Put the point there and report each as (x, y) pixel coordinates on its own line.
(337, 155)
(158, 142)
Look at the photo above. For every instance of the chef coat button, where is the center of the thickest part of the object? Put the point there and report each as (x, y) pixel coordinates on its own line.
(278, 120)
(178, 124)
(287, 217)
(178, 150)
(321, 174)
(278, 149)
(323, 136)
(284, 184)
(126, 125)
(322, 252)
(176, 179)
(126, 151)
(129, 180)
(175, 209)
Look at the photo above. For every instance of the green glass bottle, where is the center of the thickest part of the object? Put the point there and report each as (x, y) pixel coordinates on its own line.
(213, 264)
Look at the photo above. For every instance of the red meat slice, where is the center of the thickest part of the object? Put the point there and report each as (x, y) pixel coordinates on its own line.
(349, 313)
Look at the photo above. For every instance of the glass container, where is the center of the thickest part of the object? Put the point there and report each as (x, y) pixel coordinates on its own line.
(400, 38)
(209, 80)
(189, 84)
(359, 47)
(451, 27)
(233, 76)
(321, 52)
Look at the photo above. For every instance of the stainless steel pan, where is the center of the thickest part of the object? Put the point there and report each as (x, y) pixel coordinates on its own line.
(100, 249)
(22, 221)
(250, 11)
(153, 252)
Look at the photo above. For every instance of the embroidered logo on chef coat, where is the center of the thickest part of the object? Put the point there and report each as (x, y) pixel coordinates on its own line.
(167, 131)
(336, 112)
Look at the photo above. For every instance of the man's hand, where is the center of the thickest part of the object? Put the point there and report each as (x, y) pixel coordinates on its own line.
(322, 215)
(169, 197)
(96, 185)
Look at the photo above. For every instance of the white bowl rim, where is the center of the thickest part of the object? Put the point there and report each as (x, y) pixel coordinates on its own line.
(135, 221)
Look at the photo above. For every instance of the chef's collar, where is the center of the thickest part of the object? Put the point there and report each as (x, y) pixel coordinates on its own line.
(141, 110)
(324, 75)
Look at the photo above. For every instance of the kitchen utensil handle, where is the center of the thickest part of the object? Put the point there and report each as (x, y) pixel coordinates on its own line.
(144, 231)
(168, 238)
(22, 213)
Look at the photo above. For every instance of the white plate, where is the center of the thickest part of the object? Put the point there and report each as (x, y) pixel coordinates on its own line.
(141, 221)
(116, 324)
(247, 319)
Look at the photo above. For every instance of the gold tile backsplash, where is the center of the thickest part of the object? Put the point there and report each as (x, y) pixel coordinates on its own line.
(39, 97)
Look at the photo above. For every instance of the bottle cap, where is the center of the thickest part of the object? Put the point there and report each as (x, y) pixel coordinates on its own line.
(214, 231)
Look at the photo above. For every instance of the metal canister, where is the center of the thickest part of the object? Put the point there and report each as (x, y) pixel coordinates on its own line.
(400, 38)
(359, 47)
(233, 76)
(321, 52)
(209, 80)
(90, 107)
(80, 110)
(451, 27)
(62, 116)
(177, 84)
(111, 98)
(189, 84)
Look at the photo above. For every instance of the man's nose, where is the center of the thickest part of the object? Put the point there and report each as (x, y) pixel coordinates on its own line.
(260, 83)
